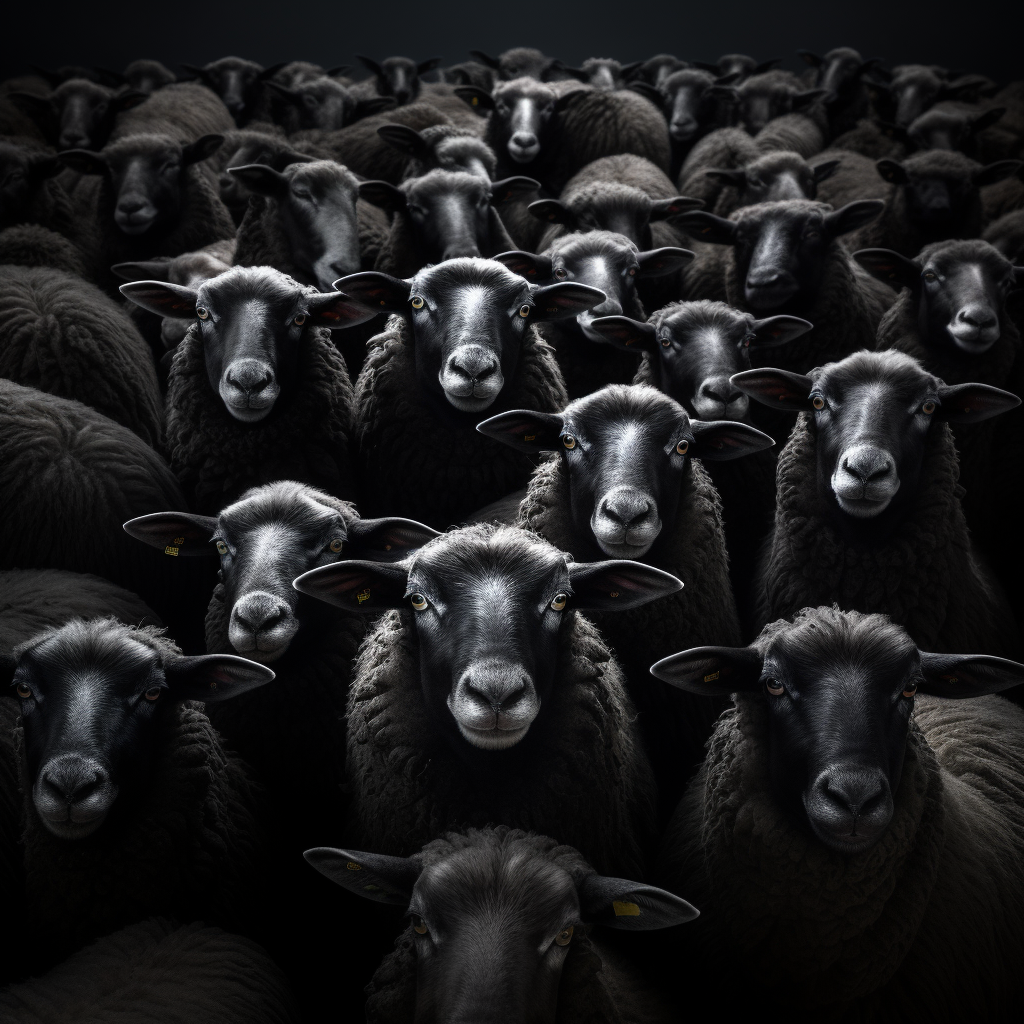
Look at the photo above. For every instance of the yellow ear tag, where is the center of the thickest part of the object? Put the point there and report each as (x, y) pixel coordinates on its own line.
(353, 866)
(711, 678)
(179, 540)
(613, 593)
(170, 550)
(530, 437)
(387, 547)
(213, 684)
(951, 679)
(475, 101)
(363, 595)
(625, 909)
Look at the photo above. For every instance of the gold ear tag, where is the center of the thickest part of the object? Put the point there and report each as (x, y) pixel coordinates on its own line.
(613, 593)
(171, 550)
(363, 596)
(711, 678)
(353, 866)
(387, 547)
(179, 540)
(625, 909)
(530, 437)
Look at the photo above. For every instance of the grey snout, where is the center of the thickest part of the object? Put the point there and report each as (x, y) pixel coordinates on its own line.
(975, 328)
(682, 129)
(459, 247)
(249, 389)
(523, 147)
(865, 480)
(626, 522)
(471, 378)
(493, 703)
(134, 214)
(262, 626)
(769, 287)
(73, 139)
(718, 399)
(73, 795)
(850, 807)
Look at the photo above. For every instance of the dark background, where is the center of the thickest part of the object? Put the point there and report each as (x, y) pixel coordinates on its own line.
(978, 35)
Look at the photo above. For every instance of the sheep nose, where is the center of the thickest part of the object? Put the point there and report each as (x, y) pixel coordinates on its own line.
(867, 464)
(131, 204)
(524, 139)
(682, 128)
(71, 780)
(856, 793)
(473, 363)
(463, 247)
(250, 376)
(258, 612)
(627, 507)
(716, 395)
(977, 316)
(763, 277)
(497, 690)
(73, 140)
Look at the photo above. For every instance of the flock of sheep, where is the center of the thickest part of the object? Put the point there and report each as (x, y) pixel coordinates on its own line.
(364, 442)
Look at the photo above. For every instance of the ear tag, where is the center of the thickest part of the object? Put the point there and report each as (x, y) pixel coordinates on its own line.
(353, 866)
(179, 541)
(530, 437)
(387, 547)
(475, 101)
(613, 593)
(331, 315)
(623, 909)
(711, 678)
(552, 309)
(951, 679)
(632, 341)
(171, 550)
(363, 596)
(213, 684)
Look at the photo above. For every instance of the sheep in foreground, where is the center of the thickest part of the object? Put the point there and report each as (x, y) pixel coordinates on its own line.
(624, 484)
(492, 698)
(257, 391)
(131, 804)
(613, 264)
(463, 348)
(484, 898)
(868, 510)
(153, 972)
(62, 335)
(855, 803)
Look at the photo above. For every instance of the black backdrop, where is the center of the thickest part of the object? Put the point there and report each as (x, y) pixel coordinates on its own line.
(976, 35)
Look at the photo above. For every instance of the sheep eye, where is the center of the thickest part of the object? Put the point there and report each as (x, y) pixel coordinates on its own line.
(300, 319)
(774, 687)
(666, 342)
(683, 447)
(153, 693)
(558, 602)
(561, 274)
(222, 548)
(524, 310)
(335, 545)
(632, 271)
(418, 601)
(818, 402)
(419, 926)
(23, 690)
(929, 277)
(910, 689)
(417, 302)
(928, 408)
(569, 441)
(202, 312)
(564, 936)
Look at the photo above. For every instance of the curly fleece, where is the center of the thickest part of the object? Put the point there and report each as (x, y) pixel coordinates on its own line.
(305, 437)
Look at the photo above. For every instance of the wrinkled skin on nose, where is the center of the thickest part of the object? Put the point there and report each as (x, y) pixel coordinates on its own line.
(524, 108)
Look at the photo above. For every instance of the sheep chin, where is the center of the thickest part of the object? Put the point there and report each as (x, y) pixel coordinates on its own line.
(863, 508)
(970, 340)
(492, 739)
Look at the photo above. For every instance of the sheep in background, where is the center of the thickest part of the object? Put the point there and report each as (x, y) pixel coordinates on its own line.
(599, 72)
(518, 62)
(965, 129)
(853, 801)
(777, 175)
(239, 84)
(324, 105)
(257, 392)
(455, 716)
(841, 74)
(763, 98)
(739, 64)
(491, 893)
(443, 146)
(464, 344)
(911, 89)
(148, 75)
(656, 69)
(868, 512)
(185, 111)
(398, 77)
(1007, 235)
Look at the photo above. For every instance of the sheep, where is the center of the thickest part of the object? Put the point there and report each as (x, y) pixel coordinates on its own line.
(786, 258)
(841, 73)
(257, 392)
(456, 720)
(132, 805)
(147, 198)
(293, 729)
(468, 72)
(779, 174)
(155, 970)
(31, 245)
(186, 111)
(518, 62)
(914, 88)
(656, 69)
(613, 264)
(873, 138)
(694, 103)
(441, 216)
(1007, 235)
(623, 484)
(62, 335)
(323, 104)
(464, 343)
(963, 128)
(239, 84)
(599, 72)
(440, 146)
(70, 477)
(148, 75)
(491, 893)
(398, 77)
(868, 512)
(853, 802)
(763, 98)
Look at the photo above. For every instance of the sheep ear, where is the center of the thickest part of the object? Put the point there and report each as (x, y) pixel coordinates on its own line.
(479, 99)
(375, 290)
(957, 676)
(485, 59)
(711, 671)
(811, 58)
(892, 172)
(780, 389)
(662, 209)
(802, 100)
(891, 267)
(526, 264)
(174, 533)
(721, 440)
(511, 188)
(337, 310)
(85, 161)
(631, 335)
(271, 71)
(726, 176)
(630, 906)
(370, 64)
(261, 179)
(144, 270)
(371, 105)
(382, 194)
(972, 403)
(201, 73)
(998, 171)
(618, 584)
(646, 90)
(205, 146)
(370, 875)
(357, 585)
(163, 298)
(525, 430)
(389, 537)
(775, 330)
(214, 677)
(427, 65)
(707, 227)
(825, 170)
(564, 299)
(852, 216)
(283, 91)
(659, 262)
(987, 119)
(338, 71)
(554, 212)
(405, 140)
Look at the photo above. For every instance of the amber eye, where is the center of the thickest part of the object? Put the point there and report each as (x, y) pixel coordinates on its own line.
(928, 408)
(153, 693)
(418, 601)
(300, 320)
(774, 687)
(569, 441)
(564, 936)
(202, 312)
(417, 302)
(818, 402)
(929, 277)
(665, 342)
(23, 690)
(558, 602)
(524, 310)
(335, 545)
(683, 447)
(222, 548)
(419, 926)
(560, 274)
(910, 689)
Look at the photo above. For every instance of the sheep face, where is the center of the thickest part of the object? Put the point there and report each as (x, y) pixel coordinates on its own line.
(625, 451)
(762, 98)
(839, 72)
(439, 150)
(252, 324)
(315, 203)
(148, 75)
(781, 248)
(839, 688)
(92, 695)
(873, 414)
(237, 82)
(399, 77)
(959, 290)
(523, 110)
(503, 908)
(951, 129)
(23, 176)
(774, 177)
(469, 318)
(692, 101)
(321, 104)
(488, 610)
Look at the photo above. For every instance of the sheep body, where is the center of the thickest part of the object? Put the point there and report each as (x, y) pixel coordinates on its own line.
(185, 110)
(32, 245)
